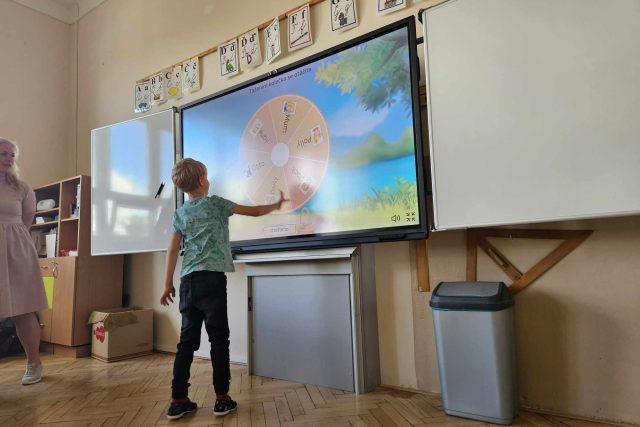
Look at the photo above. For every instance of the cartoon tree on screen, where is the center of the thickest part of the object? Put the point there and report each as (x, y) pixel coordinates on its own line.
(375, 74)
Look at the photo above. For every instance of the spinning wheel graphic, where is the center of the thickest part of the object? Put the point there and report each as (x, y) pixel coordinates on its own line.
(285, 146)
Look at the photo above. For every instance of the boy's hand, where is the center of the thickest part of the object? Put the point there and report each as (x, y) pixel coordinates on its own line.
(168, 295)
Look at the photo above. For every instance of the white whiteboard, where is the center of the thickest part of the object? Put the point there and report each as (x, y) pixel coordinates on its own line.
(533, 109)
(129, 163)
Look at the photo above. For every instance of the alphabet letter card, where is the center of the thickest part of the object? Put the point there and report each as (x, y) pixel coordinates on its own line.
(388, 6)
(229, 58)
(272, 40)
(343, 15)
(142, 97)
(191, 75)
(299, 28)
(173, 82)
(157, 89)
(250, 55)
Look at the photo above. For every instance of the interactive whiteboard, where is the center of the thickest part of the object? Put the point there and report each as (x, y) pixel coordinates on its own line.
(534, 110)
(132, 196)
(338, 133)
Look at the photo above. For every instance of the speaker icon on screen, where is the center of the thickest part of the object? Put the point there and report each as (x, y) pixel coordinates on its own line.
(395, 218)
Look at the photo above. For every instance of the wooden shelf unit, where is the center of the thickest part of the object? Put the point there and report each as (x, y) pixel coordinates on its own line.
(78, 284)
(73, 232)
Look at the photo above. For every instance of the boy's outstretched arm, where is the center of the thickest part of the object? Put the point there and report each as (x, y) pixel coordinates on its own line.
(172, 257)
(259, 210)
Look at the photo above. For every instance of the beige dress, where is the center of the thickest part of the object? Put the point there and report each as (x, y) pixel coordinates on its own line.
(21, 287)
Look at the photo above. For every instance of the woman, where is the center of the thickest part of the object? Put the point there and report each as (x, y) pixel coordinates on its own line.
(21, 289)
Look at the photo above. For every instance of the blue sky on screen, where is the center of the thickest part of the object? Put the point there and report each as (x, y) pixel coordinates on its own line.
(212, 130)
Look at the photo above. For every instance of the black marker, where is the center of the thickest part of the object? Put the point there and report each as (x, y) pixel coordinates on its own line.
(159, 190)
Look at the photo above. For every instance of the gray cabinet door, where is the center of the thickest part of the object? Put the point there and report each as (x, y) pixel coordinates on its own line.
(301, 329)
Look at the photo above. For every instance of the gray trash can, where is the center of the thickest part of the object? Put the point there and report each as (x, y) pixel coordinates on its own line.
(474, 331)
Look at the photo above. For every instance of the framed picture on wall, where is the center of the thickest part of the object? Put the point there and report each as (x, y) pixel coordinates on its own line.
(343, 15)
(388, 6)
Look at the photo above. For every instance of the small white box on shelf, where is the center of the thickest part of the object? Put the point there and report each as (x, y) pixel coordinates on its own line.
(51, 245)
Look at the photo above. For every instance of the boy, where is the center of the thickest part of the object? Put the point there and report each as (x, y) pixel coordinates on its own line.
(203, 223)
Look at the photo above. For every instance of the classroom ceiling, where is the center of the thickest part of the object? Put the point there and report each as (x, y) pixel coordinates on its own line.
(68, 11)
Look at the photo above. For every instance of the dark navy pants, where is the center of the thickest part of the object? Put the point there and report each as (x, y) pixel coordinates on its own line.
(203, 299)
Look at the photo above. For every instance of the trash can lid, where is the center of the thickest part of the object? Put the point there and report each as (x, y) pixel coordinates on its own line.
(472, 296)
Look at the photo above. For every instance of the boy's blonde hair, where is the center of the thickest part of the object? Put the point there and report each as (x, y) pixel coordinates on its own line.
(186, 174)
(13, 176)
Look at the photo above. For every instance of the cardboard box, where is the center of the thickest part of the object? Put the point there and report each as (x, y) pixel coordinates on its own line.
(121, 333)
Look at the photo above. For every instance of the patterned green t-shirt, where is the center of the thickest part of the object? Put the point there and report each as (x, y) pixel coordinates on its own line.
(204, 225)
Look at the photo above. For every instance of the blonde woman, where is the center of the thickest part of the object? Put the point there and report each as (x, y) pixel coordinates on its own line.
(21, 289)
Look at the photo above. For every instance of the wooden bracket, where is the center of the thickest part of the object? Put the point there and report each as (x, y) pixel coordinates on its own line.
(478, 238)
(422, 264)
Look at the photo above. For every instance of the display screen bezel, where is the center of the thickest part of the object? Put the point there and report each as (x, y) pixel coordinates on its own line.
(352, 237)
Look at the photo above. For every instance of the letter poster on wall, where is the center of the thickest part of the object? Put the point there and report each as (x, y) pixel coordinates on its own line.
(250, 55)
(299, 28)
(343, 15)
(229, 58)
(142, 97)
(157, 89)
(272, 40)
(388, 6)
(173, 82)
(191, 75)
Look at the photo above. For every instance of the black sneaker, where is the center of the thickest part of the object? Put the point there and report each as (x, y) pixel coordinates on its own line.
(223, 407)
(177, 410)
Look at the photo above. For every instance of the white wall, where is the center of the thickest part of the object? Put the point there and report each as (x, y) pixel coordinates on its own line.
(394, 282)
(144, 275)
(37, 105)
(577, 343)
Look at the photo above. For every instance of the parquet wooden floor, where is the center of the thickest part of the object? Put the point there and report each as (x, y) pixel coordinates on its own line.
(135, 392)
